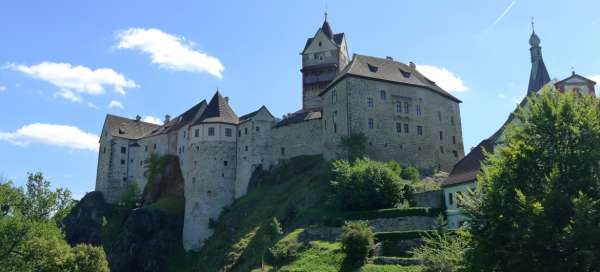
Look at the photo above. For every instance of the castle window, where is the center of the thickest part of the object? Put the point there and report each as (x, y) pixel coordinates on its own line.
(146, 148)
(320, 43)
(154, 146)
(371, 123)
(335, 122)
(333, 97)
(197, 133)
(441, 149)
(398, 127)
(383, 94)
(453, 139)
(320, 57)
(125, 179)
(245, 131)
(122, 161)
(141, 162)
(197, 148)
(257, 129)
(211, 131)
(405, 107)
(246, 148)
(452, 120)
(450, 199)
(398, 107)
(193, 179)
(123, 150)
(440, 115)
(455, 153)
(418, 109)
(228, 132)
(405, 128)
(372, 68)
(441, 135)
(104, 149)
(225, 163)
(419, 130)
(283, 151)
(240, 133)
(184, 134)
(370, 102)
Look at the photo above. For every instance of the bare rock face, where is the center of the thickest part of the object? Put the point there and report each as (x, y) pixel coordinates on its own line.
(84, 223)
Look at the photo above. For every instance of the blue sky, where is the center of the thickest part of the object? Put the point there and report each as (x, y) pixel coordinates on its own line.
(62, 63)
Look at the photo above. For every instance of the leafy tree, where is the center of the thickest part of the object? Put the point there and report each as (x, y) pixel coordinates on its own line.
(354, 146)
(410, 173)
(366, 184)
(536, 206)
(443, 251)
(40, 203)
(30, 239)
(357, 241)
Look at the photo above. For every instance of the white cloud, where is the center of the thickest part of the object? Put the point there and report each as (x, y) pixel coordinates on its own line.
(443, 78)
(2, 88)
(76, 80)
(152, 119)
(92, 105)
(506, 11)
(169, 51)
(115, 104)
(52, 134)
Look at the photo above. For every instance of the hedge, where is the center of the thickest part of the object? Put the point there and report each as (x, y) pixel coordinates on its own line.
(393, 213)
(401, 235)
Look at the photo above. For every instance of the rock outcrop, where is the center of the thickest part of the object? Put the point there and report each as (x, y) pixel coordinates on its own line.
(84, 223)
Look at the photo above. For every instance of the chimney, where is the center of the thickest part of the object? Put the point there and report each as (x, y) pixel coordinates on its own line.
(167, 118)
(389, 58)
(138, 118)
(227, 99)
(412, 65)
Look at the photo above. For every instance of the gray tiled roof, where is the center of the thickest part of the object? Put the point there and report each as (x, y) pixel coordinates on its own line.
(337, 39)
(218, 111)
(387, 70)
(252, 114)
(182, 120)
(467, 168)
(299, 116)
(129, 128)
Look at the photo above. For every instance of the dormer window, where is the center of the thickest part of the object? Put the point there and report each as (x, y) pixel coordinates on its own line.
(405, 73)
(372, 68)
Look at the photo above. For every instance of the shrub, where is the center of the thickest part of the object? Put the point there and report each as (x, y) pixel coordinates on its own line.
(442, 251)
(410, 173)
(285, 250)
(366, 184)
(131, 197)
(354, 146)
(357, 240)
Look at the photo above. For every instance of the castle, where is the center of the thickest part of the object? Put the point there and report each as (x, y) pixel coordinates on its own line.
(404, 115)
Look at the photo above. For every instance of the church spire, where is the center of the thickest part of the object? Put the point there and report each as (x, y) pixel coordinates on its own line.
(539, 74)
(326, 28)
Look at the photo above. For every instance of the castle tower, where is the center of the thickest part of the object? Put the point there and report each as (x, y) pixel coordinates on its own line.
(539, 75)
(323, 57)
(210, 176)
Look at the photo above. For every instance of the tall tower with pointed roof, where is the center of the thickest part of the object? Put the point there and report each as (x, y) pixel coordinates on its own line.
(323, 57)
(539, 75)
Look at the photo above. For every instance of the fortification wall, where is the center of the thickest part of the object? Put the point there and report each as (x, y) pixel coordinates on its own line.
(297, 139)
(209, 186)
(254, 150)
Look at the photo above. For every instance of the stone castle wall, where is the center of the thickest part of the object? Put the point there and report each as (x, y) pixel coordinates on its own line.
(297, 139)
(426, 150)
(254, 150)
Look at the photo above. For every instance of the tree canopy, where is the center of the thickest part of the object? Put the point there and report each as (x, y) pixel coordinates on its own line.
(537, 204)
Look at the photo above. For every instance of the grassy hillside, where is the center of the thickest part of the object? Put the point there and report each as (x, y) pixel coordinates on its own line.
(296, 193)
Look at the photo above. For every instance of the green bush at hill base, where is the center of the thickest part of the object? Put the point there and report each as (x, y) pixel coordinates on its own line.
(367, 184)
(357, 241)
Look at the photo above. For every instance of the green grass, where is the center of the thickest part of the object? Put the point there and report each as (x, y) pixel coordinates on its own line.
(237, 243)
(390, 268)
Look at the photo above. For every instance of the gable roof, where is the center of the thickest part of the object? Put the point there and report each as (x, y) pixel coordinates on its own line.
(218, 111)
(574, 75)
(250, 115)
(298, 117)
(129, 128)
(182, 120)
(387, 70)
(467, 168)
